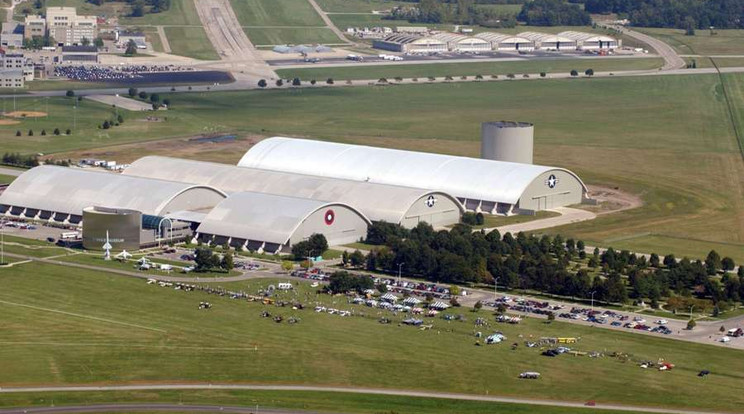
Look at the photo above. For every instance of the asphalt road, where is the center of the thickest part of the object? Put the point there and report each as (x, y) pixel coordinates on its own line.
(671, 58)
(350, 390)
(11, 171)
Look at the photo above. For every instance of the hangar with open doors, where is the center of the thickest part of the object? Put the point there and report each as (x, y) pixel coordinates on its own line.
(272, 223)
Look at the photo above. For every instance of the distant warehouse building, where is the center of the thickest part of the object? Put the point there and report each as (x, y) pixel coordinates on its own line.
(507, 43)
(79, 54)
(547, 41)
(409, 43)
(480, 184)
(11, 78)
(592, 41)
(461, 43)
(394, 204)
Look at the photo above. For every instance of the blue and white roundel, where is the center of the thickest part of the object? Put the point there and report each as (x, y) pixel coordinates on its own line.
(430, 201)
(552, 181)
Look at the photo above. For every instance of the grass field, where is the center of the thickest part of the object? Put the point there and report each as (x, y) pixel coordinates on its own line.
(294, 36)
(704, 62)
(315, 401)
(276, 13)
(422, 71)
(6, 179)
(357, 6)
(725, 42)
(74, 326)
(191, 42)
(181, 12)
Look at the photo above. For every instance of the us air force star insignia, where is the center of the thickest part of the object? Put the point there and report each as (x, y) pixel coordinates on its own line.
(430, 201)
(552, 181)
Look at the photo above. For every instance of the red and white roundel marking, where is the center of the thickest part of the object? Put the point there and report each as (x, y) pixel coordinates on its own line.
(329, 217)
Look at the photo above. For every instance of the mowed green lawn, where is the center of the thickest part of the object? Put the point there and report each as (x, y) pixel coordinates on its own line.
(6, 179)
(724, 42)
(191, 42)
(292, 36)
(535, 66)
(358, 6)
(297, 400)
(181, 12)
(276, 13)
(70, 326)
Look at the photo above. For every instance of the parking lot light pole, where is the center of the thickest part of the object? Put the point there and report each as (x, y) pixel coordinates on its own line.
(691, 307)
(495, 287)
(593, 292)
(400, 266)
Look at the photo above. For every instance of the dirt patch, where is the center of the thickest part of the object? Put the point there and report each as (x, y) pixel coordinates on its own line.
(25, 114)
(612, 200)
(228, 152)
(9, 122)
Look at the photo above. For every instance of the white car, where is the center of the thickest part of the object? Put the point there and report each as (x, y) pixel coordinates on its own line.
(639, 319)
(661, 322)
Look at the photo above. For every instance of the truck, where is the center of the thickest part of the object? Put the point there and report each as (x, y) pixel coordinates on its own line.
(69, 235)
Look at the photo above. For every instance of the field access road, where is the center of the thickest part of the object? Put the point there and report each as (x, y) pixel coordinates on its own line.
(351, 390)
(567, 216)
(328, 22)
(11, 171)
(671, 58)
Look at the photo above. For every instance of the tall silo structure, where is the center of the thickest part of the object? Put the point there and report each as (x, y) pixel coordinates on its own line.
(507, 141)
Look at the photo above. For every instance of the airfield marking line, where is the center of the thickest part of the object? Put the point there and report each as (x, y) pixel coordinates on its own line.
(355, 390)
(82, 316)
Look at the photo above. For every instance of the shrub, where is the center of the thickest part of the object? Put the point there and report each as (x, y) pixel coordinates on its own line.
(478, 77)
(329, 81)
(494, 76)
(120, 119)
(43, 132)
(18, 133)
(398, 79)
(296, 82)
(574, 72)
(510, 76)
(154, 98)
(166, 102)
(56, 131)
(589, 72)
(463, 77)
(279, 82)
(30, 132)
(415, 79)
(543, 74)
(526, 75)
(142, 95)
(106, 125)
(448, 78)
(132, 92)
(313, 82)
(382, 80)
(262, 83)
(70, 94)
(432, 79)
(68, 131)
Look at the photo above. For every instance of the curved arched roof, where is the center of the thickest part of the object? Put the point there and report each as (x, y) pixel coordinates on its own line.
(545, 37)
(377, 201)
(587, 37)
(498, 38)
(469, 178)
(70, 190)
(262, 217)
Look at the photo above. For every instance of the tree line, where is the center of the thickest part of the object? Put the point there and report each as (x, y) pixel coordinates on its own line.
(452, 11)
(547, 264)
(680, 14)
(18, 160)
(140, 7)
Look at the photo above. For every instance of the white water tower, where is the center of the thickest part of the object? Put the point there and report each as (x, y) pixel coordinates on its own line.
(507, 141)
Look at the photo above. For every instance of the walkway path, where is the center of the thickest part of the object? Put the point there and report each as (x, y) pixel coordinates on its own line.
(11, 171)
(351, 390)
(329, 22)
(671, 58)
(567, 216)
(164, 39)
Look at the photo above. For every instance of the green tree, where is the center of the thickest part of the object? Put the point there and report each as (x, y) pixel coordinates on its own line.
(691, 324)
(132, 92)
(727, 264)
(589, 72)
(356, 259)
(85, 41)
(98, 42)
(142, 95)
(262, 83)
(70, 94)
(574, 72)
(551, 317)
(227, 262)
(478, 306)
(713, 262)
(287, 266)
(329, 81)
(296, 82)
(131, 49)
(30, 132)
(154, 98)
(279, 82)
(203, 259)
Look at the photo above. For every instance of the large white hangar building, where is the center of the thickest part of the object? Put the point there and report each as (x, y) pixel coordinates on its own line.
(487, 185)
(59, 194)
(271, 223)
(406, 206)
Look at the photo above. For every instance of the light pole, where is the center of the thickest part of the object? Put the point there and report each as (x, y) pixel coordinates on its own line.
(400, 266)
(495, 286)
(691, 307)
(593, 292)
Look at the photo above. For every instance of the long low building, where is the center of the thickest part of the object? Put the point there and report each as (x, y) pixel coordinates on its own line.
(548, 41)
(481, 185)
(59, 194)
(461, 43)
(271, 223)
(379, 202)
(507, 43)
(409, 43)
(591, 41)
